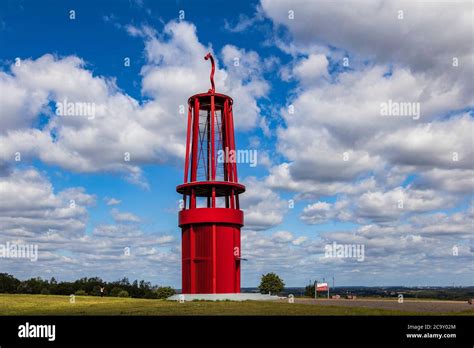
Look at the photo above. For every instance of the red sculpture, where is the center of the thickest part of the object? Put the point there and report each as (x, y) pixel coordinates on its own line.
(210, 218)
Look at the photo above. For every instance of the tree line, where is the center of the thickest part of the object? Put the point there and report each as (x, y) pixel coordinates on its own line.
(270, 283)
(84, 286)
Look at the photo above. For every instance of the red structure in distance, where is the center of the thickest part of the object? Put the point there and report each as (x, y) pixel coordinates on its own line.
(210, 218)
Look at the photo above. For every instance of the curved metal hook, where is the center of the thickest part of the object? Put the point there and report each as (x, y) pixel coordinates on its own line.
(209, 56)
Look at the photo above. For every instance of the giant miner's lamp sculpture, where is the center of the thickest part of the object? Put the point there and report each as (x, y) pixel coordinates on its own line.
(210, 218)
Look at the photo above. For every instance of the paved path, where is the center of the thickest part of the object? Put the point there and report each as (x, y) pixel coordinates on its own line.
(431, 306)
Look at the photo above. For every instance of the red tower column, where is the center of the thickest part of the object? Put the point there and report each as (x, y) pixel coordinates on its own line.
(210, 219)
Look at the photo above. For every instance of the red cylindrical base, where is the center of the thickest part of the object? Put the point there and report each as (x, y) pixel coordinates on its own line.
(210, 251)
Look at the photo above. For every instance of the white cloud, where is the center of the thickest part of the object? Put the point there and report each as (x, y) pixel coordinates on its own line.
(124, 216)
(321, 212)
(442, 144)
(282, 237)
(112, 201)
(28, 206)
(336, 140)
(31, 212)
(379, 206)
(420, 41)
(262, 207)
(19, 106)
(312, 68)
(330, 144)
(300, 240)
(280, 178)
(390, 205)
(394, 254)
(343, 116)
(449, 180)
(244, 23)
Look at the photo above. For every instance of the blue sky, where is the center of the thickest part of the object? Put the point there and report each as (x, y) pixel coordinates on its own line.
(308, 93)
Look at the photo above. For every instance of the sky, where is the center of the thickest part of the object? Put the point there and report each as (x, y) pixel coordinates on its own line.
(361, 114)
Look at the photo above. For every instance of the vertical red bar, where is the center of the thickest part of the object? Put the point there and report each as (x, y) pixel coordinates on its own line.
(227, 146)
(223, 132)
(195, 140)
(192, 202)
(192, 266)
(213, 197)
(184, 273)
(214, 259)
(208, 148)
(213, 145)
(188, 135)
(237, 261)
(232, 137)
(231, 144)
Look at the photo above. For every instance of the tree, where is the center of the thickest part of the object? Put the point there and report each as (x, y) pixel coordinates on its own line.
(82, 286)
(271, 283)
(123, 293)
(165, 292)
(33, 286)
(115, 291)
(8, 283)
(309, 290)
(124, 281)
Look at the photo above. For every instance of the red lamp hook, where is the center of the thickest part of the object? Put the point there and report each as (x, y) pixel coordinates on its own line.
(209, 55)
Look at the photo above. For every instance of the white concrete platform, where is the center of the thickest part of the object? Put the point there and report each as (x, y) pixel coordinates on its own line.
(223, 297)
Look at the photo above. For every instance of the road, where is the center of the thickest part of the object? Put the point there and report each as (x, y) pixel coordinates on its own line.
(430, 306)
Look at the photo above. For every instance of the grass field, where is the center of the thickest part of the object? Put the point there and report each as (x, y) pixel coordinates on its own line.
(89, 305)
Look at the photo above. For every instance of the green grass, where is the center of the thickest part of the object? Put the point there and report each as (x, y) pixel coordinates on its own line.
(90, 305)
